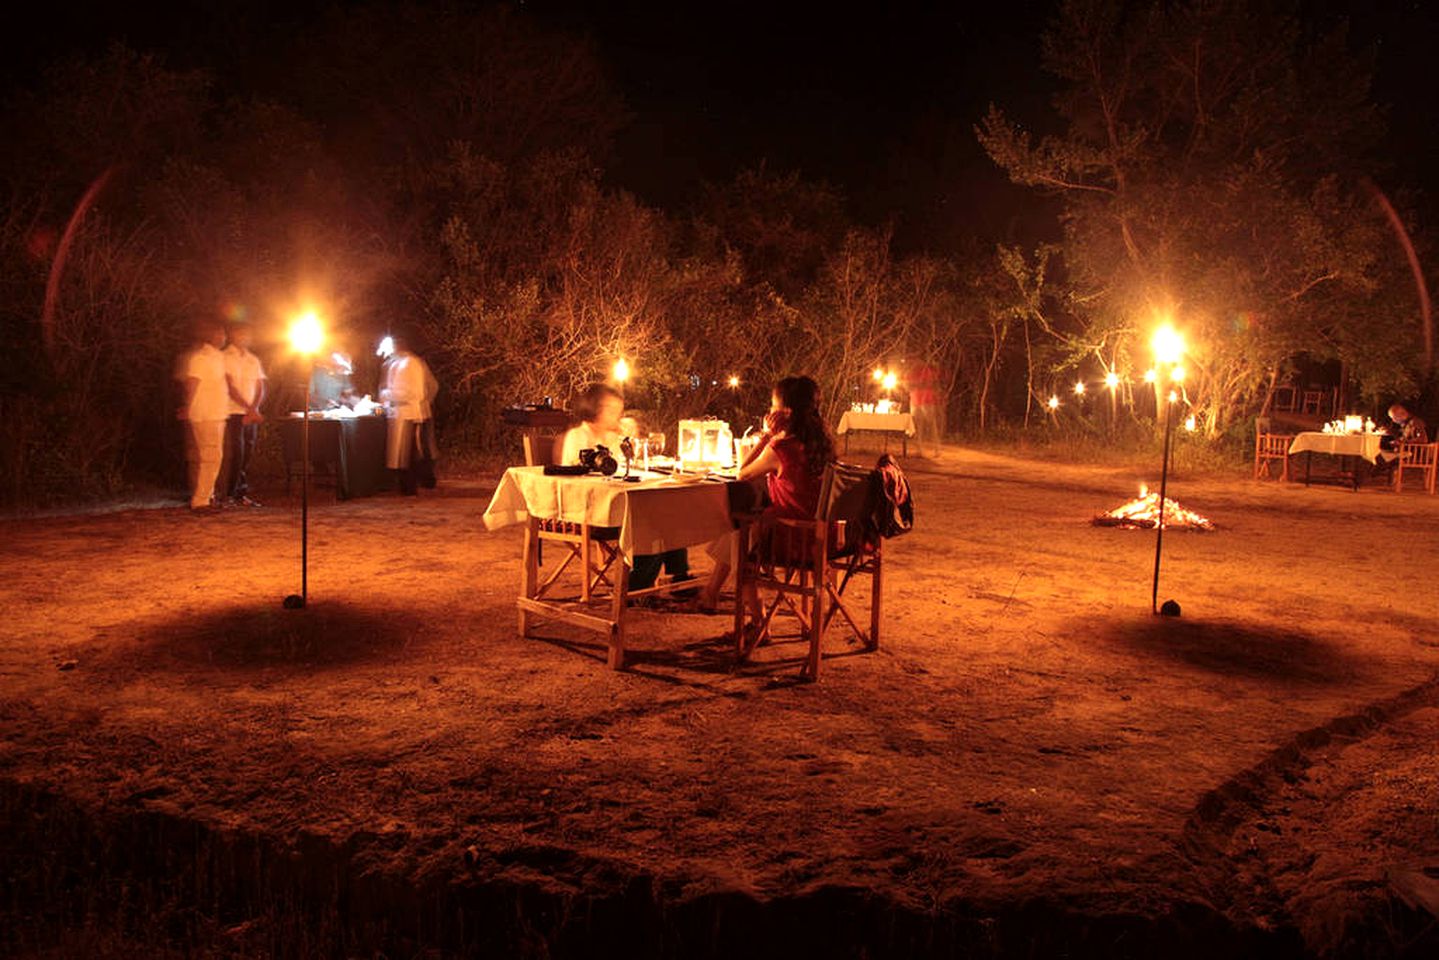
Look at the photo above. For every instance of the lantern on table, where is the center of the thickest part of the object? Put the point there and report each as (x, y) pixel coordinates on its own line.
(1353, 424)
(705, 443)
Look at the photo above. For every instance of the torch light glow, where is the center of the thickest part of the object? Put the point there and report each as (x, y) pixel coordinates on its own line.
(1151, 375)
(1054, 402)
(1168, 344)
(622, 370)
(1079, 389)
(1111, 380)
(734, 381)
(878, 374)
(1174, 396)
(890, 381)
(1190, 423)
(1177, 375)
(306, 334)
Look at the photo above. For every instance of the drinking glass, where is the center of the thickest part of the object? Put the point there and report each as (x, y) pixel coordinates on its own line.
(657, 443)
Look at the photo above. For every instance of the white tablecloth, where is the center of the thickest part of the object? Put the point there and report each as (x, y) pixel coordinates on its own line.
(1364, 445)
(654, 515)
(892, 422)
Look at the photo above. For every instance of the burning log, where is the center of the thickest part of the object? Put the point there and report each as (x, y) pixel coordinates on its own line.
(1143, 513)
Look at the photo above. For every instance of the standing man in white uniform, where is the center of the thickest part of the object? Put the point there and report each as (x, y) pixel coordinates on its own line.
(245, 383)
(206, 407)
(408, 391)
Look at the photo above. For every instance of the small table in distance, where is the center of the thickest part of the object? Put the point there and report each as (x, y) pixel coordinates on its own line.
(886, 424)
(1348, 447)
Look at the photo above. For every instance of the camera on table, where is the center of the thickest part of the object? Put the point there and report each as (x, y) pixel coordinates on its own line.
(598, 459)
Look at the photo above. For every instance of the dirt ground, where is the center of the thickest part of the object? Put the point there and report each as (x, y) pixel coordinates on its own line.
(1031, 763)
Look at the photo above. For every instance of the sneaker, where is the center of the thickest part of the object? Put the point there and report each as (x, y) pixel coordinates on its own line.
(244, 501)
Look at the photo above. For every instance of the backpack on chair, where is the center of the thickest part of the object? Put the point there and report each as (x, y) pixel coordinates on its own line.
(893, 502)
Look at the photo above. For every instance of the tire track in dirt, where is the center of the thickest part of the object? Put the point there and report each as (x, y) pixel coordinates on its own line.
(1239, 878)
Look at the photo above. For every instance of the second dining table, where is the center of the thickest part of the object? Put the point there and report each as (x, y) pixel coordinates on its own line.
(653, 514)
(1350, 448)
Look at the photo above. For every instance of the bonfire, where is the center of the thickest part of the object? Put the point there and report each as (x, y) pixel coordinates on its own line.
(1144, 512)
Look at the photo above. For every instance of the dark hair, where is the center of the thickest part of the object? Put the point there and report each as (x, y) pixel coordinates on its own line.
(587, 405)
(806, 424)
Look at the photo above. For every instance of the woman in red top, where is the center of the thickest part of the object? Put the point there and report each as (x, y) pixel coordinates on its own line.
(792, 454)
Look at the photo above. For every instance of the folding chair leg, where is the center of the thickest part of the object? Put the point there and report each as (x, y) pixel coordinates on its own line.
(530, 572)
(619, 602)
(814, 599)
(586, 558)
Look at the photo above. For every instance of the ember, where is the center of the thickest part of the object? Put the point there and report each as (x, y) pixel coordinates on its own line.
(1144, 512)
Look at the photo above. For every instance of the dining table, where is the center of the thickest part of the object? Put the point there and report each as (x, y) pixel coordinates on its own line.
(1350, 448)
(652, 512)
(888, 425)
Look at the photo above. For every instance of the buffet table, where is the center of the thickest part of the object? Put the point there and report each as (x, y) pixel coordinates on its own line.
(886, 424)
(350, 448)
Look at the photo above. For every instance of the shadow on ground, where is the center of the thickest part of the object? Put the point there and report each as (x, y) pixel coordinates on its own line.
(1232, 649)
(323, 635)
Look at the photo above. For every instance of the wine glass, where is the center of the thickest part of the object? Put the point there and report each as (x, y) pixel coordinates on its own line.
(657, 444)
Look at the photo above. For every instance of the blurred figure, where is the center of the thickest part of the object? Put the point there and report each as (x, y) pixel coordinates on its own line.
(924, 405)
(205, 408)
(600, 409)
(330, 384)
(408, 391)
(245, 383)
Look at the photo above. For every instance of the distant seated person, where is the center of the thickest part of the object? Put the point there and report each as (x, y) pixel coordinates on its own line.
(1406, 428)
(600, 409)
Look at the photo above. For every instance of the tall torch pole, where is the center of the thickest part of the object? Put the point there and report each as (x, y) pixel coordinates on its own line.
(1168, 347)
(306, 337)
(1163, 491)
(305, 491)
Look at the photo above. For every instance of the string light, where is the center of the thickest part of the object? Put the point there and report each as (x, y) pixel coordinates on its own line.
(1079, 389)
(1111, 380)
(1054, 402)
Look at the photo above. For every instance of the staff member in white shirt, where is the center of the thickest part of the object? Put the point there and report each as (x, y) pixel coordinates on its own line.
(245, 383)
(206, 406)
(408, 391)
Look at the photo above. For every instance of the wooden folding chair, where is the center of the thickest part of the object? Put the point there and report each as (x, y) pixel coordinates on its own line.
(1419, 458)
(805, 567)
(1268, 448)
(597, 548)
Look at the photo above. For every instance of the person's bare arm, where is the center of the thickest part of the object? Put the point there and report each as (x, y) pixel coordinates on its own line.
(764, 461)
(235, 392)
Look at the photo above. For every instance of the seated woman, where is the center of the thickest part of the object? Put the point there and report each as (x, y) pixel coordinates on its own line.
(601, 409)
(793, 452)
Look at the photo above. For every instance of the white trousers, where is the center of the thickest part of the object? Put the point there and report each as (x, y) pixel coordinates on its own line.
(209, 438)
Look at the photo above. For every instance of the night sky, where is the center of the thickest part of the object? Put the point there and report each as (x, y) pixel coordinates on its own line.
(878, 100)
